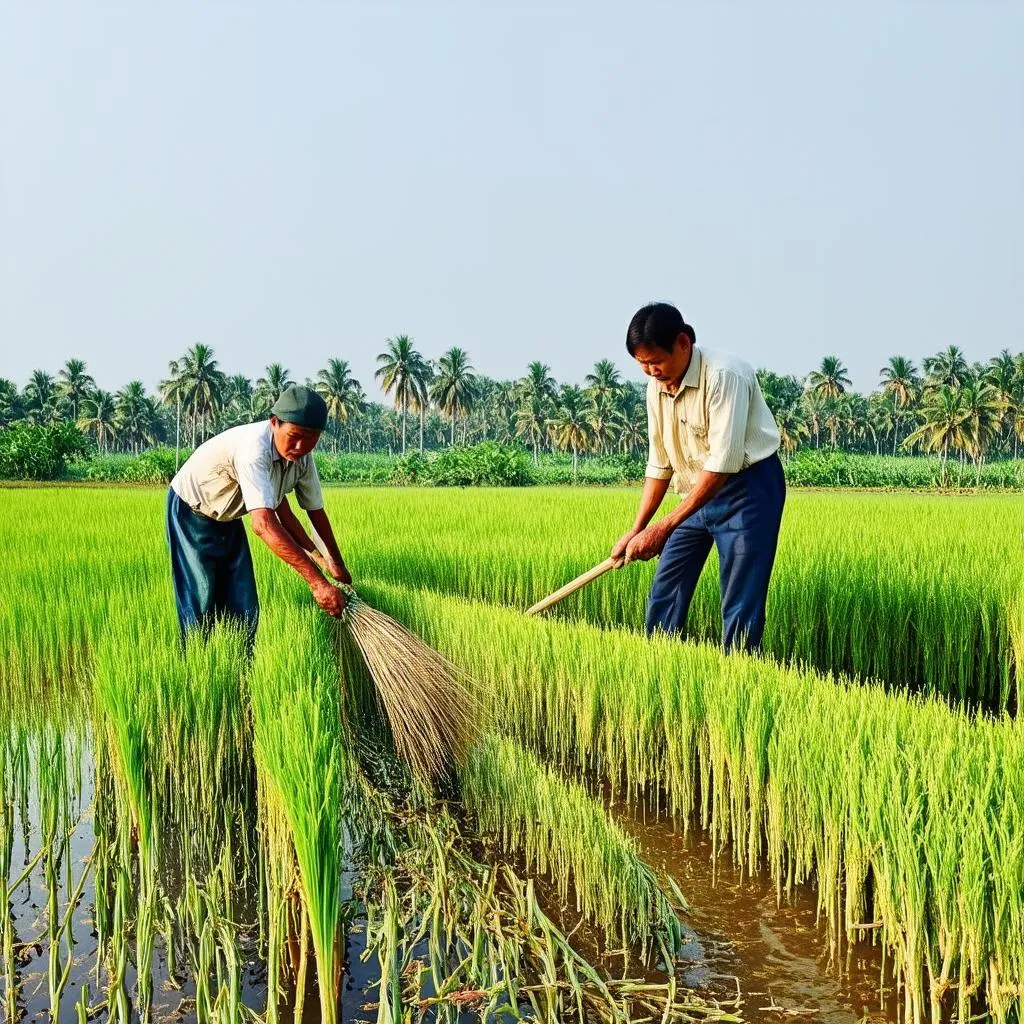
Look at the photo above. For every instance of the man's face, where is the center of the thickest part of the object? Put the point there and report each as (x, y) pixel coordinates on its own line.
(292, 441)
(665, 367)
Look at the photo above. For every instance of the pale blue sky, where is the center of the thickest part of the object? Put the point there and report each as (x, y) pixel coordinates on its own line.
(297, 181)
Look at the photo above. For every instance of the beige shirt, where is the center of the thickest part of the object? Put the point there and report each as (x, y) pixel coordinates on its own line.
(717, 420)
(241, 469)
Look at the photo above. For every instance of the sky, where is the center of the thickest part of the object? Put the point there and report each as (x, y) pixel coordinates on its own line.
(298, 181)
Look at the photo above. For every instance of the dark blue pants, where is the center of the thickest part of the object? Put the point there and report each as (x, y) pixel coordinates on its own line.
(742, 520)
(211, 566)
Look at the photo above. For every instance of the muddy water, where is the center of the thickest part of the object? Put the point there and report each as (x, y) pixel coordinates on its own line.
(743, 941)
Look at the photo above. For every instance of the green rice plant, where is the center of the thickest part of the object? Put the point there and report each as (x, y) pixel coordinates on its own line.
(901, 811)
(563, 833)
(297, 742)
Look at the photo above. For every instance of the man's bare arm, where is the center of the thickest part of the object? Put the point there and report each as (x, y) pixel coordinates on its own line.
(290, 521)
(267, 526)
(649, 542)
(650, 501)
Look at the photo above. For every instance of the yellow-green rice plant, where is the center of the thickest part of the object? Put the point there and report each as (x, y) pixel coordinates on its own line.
(562, 832)
(895, 807)
(297, 738)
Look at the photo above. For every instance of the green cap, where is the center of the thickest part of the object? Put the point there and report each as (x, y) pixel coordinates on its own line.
(301, 406)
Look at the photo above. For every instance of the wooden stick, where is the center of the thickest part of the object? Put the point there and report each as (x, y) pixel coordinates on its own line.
(571, 587)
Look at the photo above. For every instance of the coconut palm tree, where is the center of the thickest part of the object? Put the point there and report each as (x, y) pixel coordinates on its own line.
(900, 381)
(946, 425)
(603, 418)
(74, 384)
(9, 402)
(792, 424)
(453, 389)
(99, 417)
(534, 394)
(40, 398)
(342, 393)
(570, 427)
(816, 408)
(605, 381)
(196, 384)
(946, 369)
(401, 371)
(631, 418)
(984, 411)
(135, 416)
(1002, 375)
(830, 380)
(419, 402)
(275, 379)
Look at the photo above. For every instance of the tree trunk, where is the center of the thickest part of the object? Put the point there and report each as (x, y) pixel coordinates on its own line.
(574, 464)
(405, 411)
(451, 443)
(423, 416)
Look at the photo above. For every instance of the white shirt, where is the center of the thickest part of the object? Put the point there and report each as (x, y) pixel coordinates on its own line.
(717, 420)
(241, 469)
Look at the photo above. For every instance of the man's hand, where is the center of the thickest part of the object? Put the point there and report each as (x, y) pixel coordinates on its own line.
(336, 570)
(619, 547)
(647, 544)
(329, 597)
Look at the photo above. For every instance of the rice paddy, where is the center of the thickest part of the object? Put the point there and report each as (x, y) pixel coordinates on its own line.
(217, 838)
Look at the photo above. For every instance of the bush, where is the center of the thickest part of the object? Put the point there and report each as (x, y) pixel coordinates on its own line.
(489, 464)
(38, 453)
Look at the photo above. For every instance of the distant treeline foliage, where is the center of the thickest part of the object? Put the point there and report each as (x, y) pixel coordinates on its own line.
(965, 414)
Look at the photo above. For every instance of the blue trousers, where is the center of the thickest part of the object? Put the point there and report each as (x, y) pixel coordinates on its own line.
(742, 520)
(211, 567)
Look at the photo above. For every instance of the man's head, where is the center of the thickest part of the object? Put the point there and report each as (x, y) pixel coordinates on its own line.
(297, 419)
(661, 342)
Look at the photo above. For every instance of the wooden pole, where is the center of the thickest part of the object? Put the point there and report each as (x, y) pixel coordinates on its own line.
(571, 587)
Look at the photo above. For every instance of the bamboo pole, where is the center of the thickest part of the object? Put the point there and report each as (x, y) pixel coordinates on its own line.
(573, 585)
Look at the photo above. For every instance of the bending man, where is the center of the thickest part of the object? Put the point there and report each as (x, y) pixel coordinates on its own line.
(711, 430)
(251, 469)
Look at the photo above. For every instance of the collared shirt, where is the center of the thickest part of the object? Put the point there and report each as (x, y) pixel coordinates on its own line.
(717, 420)
(241, 469)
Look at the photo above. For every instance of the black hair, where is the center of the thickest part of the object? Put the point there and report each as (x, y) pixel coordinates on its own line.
(658, 324)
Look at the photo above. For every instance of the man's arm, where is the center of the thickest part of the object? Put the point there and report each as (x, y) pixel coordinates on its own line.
(648, 542)
(267, 526)
(654, 493)
(335, 563)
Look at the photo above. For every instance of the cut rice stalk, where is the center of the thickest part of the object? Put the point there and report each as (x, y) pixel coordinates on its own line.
(428, 702)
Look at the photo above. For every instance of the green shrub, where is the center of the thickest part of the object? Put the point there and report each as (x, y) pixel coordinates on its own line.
(38, 453)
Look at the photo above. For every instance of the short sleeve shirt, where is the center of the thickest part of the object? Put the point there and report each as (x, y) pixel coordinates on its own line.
(717, 420)
(240, 470)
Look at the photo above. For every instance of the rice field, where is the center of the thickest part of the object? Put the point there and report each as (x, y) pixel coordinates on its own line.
(217, 838)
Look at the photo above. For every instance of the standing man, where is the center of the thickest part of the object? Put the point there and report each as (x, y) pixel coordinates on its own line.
(711, 429)
(251, 469)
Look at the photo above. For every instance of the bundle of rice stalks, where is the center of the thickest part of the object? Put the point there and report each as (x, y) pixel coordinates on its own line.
(428, 702)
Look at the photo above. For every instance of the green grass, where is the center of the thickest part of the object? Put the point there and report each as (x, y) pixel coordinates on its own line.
(901, 810)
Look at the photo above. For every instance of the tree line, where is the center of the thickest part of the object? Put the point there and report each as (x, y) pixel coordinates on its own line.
(948, 406)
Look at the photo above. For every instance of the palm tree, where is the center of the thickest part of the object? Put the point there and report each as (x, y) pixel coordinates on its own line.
(1002, 374)
(946, 369)
(605, 381)
(197, 384)
(275, 379)
(9, 402)
(454, 386)
(74, 384)
(603, 417)
(134, 415)
(535, 392)
(830, 380)
(99, 417)
(538, 383)
(40, 398)
(945, 426)
(342, 393)
(984, 410)
(570, 426)
(631, 418)
(816, 408)
(401, 370)
(792, 424)
(531, 423)
(900, 380)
